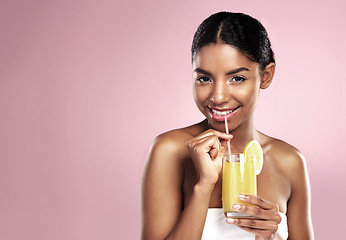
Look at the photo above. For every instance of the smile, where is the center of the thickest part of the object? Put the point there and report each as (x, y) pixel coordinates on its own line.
(222, 113)
(219, 115)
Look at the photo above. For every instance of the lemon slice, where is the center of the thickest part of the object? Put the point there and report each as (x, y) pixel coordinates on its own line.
(253, 151)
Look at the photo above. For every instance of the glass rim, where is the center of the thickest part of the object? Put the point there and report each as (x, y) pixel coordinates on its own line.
(234, 157)
(233, 154)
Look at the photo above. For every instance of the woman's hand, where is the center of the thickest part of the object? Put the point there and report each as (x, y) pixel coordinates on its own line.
(266, 217)
(206, 151)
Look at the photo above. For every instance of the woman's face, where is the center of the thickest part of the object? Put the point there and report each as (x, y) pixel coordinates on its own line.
(226, 84)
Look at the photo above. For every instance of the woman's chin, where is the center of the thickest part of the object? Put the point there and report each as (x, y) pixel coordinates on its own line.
(217, 125)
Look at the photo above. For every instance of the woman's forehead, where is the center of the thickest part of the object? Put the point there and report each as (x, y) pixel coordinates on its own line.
(222, 56)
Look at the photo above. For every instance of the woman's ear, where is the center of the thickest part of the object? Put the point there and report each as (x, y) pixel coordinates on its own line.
(268, 75)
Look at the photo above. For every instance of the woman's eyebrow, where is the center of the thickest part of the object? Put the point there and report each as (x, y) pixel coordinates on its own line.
(238, 70)
(199, 70)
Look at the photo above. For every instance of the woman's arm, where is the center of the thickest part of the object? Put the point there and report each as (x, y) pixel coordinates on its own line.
(162, 201)
(298, 208)
(163, 213)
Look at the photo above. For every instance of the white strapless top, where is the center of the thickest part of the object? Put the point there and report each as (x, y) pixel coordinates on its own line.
(215, 227)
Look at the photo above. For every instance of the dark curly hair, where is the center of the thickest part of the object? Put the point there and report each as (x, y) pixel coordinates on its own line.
(236, 29)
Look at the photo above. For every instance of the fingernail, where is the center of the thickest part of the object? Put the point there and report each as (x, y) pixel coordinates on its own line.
(236, 206)
(242, 197)
(230, 220)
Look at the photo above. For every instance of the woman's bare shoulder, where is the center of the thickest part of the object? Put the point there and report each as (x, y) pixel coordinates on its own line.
(177, 138)
(173, 142)
(285, 156)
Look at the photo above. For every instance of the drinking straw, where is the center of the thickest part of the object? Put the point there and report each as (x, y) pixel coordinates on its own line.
(228, 143)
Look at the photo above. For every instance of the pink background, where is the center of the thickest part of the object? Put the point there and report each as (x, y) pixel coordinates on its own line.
(85, 86)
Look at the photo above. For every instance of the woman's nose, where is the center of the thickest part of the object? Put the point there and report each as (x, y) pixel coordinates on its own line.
(220, 93)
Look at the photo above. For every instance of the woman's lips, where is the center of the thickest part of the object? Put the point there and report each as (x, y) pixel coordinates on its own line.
(220, 114)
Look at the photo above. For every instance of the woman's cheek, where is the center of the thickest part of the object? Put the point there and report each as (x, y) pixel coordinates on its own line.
(201, 94)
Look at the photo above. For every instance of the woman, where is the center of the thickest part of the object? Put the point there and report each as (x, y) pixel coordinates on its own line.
(181, 193)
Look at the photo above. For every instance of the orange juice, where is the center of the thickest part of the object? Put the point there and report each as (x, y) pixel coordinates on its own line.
(238, 177)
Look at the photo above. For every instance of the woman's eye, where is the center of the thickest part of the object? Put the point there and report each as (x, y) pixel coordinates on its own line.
(238, 79)
(203, 79)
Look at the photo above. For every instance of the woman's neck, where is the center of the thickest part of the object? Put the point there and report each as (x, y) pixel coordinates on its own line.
(241, 138)
(243, 134)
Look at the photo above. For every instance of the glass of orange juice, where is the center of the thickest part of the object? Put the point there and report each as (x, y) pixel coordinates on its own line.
(238, 177)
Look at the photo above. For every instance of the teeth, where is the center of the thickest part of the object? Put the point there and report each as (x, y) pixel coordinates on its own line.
(221, 113)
